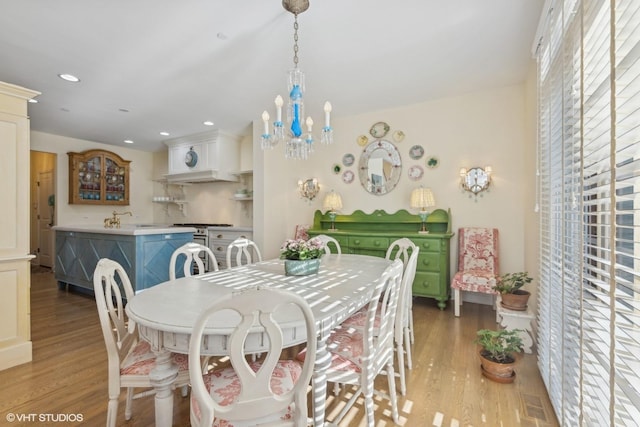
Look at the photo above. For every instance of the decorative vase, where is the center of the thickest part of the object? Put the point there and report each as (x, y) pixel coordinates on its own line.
(296, 267)
(515, 301)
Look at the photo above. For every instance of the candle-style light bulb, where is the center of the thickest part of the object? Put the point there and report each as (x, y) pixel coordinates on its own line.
(279, 102)
(265, 119)
(327, 114)
(309, 123)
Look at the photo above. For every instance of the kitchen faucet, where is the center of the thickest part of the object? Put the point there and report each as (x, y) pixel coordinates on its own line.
(115, 220)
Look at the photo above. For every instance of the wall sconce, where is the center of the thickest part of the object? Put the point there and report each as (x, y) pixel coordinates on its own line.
(332, 202)
(475, 180)
(308, 189)
(422, 199)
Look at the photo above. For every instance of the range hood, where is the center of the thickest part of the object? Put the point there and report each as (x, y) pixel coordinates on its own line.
(204, 157)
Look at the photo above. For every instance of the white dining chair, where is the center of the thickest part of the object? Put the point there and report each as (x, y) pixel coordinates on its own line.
(191, 252)
(129, 359)
(407, 252)
(246, 250)
(326, 240)
(269, 391)
(358, 356)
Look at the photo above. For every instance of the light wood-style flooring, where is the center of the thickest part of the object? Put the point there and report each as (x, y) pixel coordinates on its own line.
(68, 374)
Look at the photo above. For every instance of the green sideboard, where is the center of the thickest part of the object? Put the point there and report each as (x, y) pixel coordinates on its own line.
(371, 234)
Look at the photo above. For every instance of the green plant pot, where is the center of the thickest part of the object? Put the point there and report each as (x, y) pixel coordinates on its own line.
(301, 267)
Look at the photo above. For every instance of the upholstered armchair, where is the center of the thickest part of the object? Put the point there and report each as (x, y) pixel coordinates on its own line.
(478, 265)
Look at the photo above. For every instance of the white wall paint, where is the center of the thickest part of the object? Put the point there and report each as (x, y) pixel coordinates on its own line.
(477, 129)
(140, 174)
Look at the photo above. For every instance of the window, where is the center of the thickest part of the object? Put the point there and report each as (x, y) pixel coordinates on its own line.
(589, 165)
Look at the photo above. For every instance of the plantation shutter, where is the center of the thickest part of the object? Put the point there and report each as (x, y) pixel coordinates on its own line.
(589, 181)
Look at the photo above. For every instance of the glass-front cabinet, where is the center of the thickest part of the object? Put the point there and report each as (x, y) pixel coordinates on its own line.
(98, 177)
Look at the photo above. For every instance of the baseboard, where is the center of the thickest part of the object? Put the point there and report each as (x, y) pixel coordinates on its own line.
(16, 354)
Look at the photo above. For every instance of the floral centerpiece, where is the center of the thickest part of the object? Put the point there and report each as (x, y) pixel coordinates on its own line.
(301, 257)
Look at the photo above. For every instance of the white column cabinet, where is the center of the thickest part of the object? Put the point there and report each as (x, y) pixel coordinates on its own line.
(15, 280)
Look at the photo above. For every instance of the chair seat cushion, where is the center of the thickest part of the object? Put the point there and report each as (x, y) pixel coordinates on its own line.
(224, 386)
(359, 319)
(474, 281)
(346, 348)
(141, 360)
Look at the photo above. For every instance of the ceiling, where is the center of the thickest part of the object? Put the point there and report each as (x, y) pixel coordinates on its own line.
(148, 66)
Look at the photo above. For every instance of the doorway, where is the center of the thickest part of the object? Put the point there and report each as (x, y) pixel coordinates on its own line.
(43, 207)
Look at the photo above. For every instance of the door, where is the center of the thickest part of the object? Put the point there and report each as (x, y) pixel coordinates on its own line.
(45, 218)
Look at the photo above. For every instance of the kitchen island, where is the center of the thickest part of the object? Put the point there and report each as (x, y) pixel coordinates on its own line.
(143, 250)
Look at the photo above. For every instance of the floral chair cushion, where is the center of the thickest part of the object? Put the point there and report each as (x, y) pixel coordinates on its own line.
(359, 319)
(346, 347)
(224, 385)
(141, 360)
(477, 260)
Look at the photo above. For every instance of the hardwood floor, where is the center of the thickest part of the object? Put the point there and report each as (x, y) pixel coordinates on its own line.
(67, 378)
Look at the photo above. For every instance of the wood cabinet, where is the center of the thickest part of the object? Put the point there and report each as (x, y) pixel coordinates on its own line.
(98, 177)
(371, 234)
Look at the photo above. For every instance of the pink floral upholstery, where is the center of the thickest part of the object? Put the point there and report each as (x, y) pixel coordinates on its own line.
(359, 319)
(345, 345)
(477, 260)
(141, 360)
(224, 386)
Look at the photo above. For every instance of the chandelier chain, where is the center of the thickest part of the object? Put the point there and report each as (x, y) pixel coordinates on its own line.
(295, 41)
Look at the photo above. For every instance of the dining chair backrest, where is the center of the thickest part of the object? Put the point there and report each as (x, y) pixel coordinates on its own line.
(401, 248)
(191, 252)
(326, 240)
(246, 250)
(255, 395)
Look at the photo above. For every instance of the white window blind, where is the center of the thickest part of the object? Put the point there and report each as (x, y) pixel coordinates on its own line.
(589, 172)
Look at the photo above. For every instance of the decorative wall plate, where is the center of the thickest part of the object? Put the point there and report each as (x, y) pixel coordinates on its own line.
(398, 136)
(415, 172)
(379, 130)
(416, 152)
(191, 158)
(336, 168)
(348, 159)
(432, 162)
(347, 177)
(363, 140)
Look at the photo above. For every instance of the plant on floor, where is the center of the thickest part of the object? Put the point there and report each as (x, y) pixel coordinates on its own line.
(497, 353)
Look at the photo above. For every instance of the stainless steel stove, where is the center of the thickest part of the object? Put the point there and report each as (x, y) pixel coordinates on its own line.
(201, 236)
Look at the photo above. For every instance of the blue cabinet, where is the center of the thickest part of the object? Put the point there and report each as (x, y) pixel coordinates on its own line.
(145, 258)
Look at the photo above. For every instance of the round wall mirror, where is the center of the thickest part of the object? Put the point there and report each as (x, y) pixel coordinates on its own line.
(380, 167)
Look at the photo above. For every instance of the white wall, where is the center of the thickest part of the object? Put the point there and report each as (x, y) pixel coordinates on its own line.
(140, 174)
(491, 127)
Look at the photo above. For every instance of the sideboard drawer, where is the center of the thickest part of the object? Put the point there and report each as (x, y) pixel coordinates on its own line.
(428, 261)
(426, 284)
(427, 245)
(358, 242)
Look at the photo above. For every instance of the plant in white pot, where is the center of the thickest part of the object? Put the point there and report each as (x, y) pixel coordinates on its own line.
(509, 286)
(497, 353)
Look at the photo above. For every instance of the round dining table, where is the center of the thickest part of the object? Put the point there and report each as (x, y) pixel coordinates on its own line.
(166, 313)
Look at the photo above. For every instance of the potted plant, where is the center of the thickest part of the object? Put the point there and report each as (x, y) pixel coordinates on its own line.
(301, 257)
(512, 297)
(497, 357)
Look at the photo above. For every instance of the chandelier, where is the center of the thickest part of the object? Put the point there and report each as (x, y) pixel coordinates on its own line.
(298, 144)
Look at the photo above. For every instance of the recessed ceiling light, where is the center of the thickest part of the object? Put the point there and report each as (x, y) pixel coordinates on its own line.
(69, 78)
(66, 110)
(123, 110)
(128, 141)
(208, 123)
(222, 36)
(33, 101)
(164, 133)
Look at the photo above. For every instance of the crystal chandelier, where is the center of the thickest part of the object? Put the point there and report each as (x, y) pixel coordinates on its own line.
(298, 144)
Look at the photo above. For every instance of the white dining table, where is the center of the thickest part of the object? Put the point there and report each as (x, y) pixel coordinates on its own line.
(165, 315)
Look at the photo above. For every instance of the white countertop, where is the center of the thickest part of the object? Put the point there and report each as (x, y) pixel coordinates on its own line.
(126, 229)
